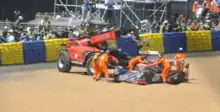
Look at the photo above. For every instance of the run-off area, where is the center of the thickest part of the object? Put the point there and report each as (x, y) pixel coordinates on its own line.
(41, 88)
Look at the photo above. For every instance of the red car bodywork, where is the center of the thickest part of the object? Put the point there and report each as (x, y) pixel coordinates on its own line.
(80, 49)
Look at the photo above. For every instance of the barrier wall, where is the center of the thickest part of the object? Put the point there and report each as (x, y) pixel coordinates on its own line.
(193, 41)
(30, 52)
(12, 53)
(156, 42)
(126, 44)
(199, 41)
(45, 51)
(53, 47)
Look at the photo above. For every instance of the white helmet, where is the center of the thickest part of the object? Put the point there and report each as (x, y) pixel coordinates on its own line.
(5, 27)
(180, 49)
(58, 17)
(10, 31)
(165, 22)
(28, 28)
(20, 17)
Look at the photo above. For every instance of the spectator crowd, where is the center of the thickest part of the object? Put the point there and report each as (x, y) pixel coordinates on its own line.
(14, 32)
(206, 19)
(182, 24)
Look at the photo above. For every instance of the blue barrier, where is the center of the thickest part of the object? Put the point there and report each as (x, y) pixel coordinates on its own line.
(126, 44)
(34, 52)
(215, 35)
(173, 41)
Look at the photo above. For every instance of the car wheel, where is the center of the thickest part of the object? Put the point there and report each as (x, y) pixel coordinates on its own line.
(148, 76)
(89, 68)
(176, 77)
(63, 62)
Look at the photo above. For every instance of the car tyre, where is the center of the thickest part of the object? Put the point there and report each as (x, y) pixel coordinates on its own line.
(89, 68)
(176, 77)
(63, 61)
(148, 76)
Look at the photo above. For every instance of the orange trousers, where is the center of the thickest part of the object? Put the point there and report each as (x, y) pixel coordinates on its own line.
(96, 69)
(165, 72)
(102, 69)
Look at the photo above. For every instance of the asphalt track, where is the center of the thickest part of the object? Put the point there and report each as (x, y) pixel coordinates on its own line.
(41, 88)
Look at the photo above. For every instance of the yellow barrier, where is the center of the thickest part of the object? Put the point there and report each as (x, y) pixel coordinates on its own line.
(12, 53)
(199, 41)
(155, 41)
(112, 43)
(53, 47)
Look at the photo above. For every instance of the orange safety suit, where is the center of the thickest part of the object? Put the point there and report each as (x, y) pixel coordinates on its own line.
(179, 57)
(167, 67)
(195, 6)
(95, 64)
(133, 62)
(207, 4)
(214, 6)
(103, 66)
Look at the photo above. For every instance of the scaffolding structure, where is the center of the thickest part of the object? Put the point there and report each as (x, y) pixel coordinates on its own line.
(125, 8)
(67, 5)
(159, 6)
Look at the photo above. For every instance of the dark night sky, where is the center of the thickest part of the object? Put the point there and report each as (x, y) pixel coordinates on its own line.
(28, 8)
